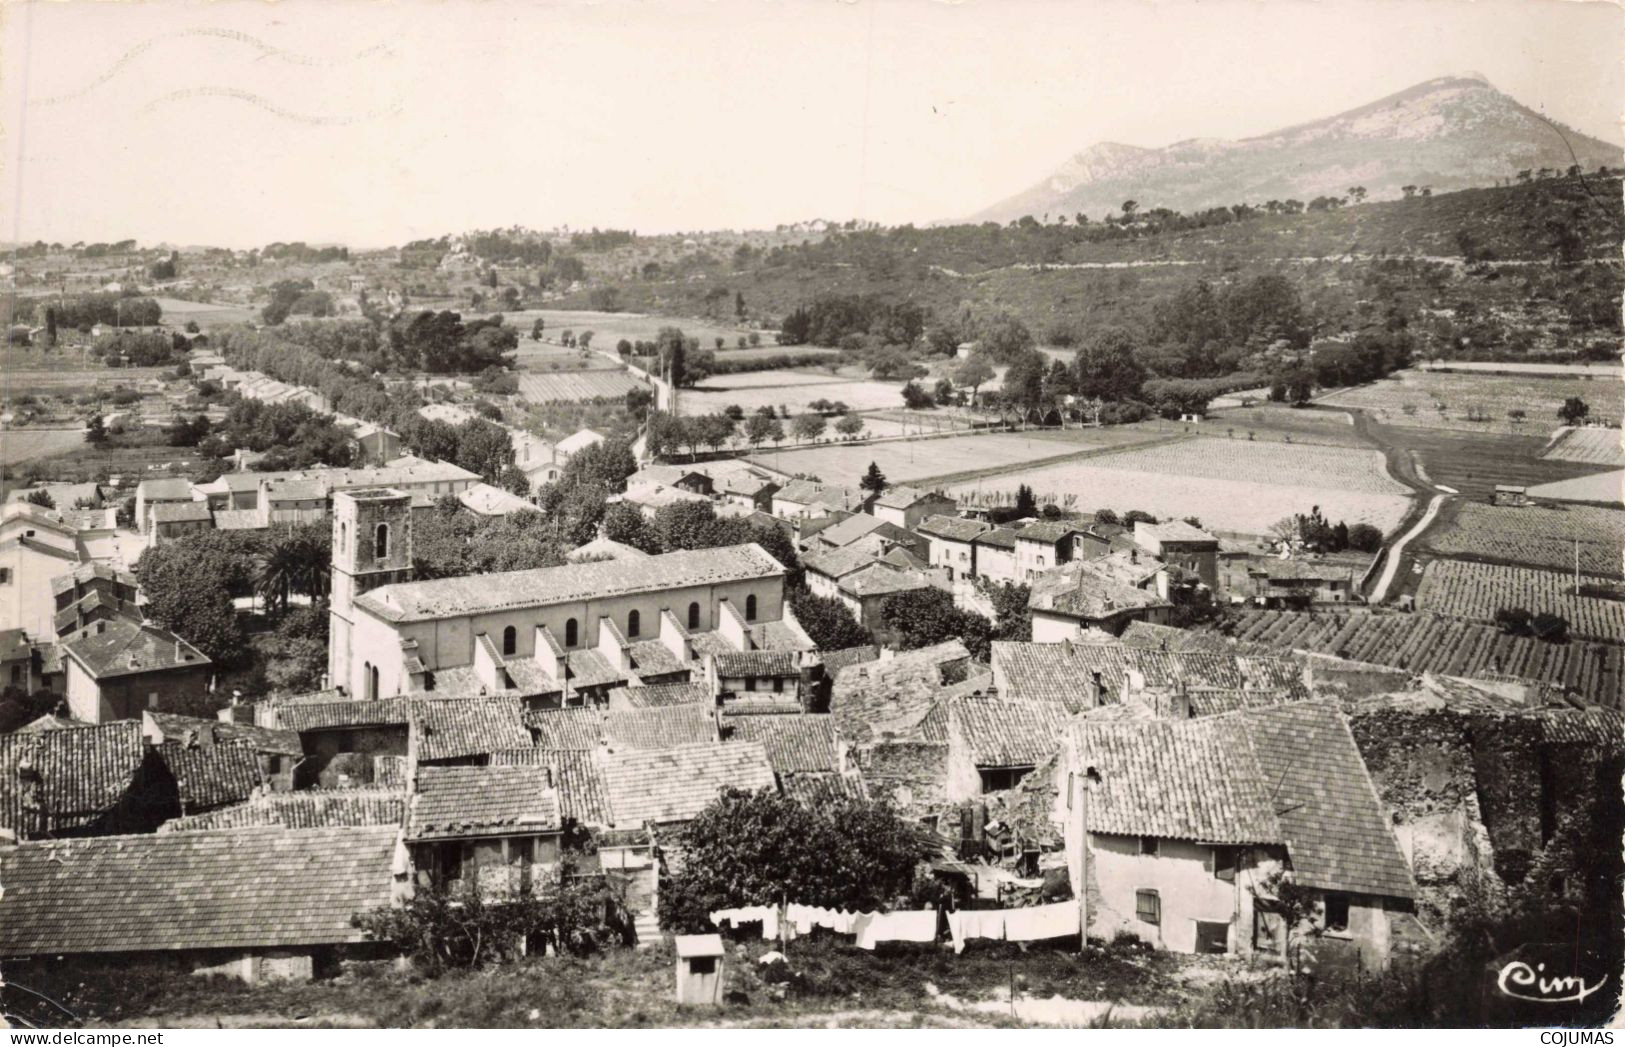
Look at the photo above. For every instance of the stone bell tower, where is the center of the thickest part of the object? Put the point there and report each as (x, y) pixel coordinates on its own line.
(372, 546)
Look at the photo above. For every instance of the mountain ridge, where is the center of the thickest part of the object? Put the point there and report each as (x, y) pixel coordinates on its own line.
(1450, 132)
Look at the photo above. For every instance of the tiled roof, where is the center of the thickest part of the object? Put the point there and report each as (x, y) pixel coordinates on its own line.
(674, 785)
(167, 487)
(211, 775)
(1057, 672)
(1174, 531)
(605, 549)
(238, 520)
(953, 528)
(1007, 734)
(756, 703)
(447, 728)
(843, 560)
(341, 713)
(540, 587)
(121, 647)
(1302, 571)
(591, 669)
(80, 773)
(892, 695)
(793, 743)
(733, 664)
(835, 661)
(579, 727)
(806, 492)
(90, 572)
(306, 809)
(1047, 531)
(225, 889)
(1077, 588)
(180, 512)
(821, 789)
(1181, 779)
(999, 537)
(661, 694)
(577, 776)
(1169, 638)
(882, 580)
(903, 497)
(173, 727)
(653, 658)
(1337, 834)
(499, 800)
(660, 727)
(857, 526)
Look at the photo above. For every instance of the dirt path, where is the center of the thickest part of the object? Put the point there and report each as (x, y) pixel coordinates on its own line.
(1396, 550)
(1406, 467)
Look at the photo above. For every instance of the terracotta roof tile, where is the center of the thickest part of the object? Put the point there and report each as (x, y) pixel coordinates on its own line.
(660, 727)
(223, 889)
(67, 779)
(307, 809)
(500, 800)
(1006, 734)
(211, 775)
(448, 728)
(674, 785)
(794, 743)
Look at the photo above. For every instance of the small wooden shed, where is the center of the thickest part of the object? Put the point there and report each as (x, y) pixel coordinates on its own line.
(699, 968)
(1509, 494)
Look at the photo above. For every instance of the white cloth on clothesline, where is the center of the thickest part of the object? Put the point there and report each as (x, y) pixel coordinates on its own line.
(766, 915)
(908, 926)
(975, 923)
(1041, 922)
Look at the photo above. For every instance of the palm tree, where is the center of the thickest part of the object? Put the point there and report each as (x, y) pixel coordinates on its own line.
(293, 563)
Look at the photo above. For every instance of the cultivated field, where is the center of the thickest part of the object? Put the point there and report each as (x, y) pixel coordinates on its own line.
(576, 385)
(23, 445)
(1594, 446)
(1476, 590)
(909, 461)
(1309, 465)
(1474, 463)
(792, 389)
(1534, 536)
(545, 356)
(1267, 421)
(207, 315)
(1231, 485)
(1477, 402)
(609, 328)
(1436, 643)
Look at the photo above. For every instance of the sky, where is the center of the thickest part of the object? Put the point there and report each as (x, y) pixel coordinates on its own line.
(237, 123)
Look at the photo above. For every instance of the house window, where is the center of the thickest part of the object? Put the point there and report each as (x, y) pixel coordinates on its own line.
(344, 536)
(570, 633)
(693, 616)
(373, 685)
(5, 576)
(1224, 864)
(1148, 845)
(366, 679)
(1337, 912)
(632, 623)
(152, 699)
(16, 674)
(750, 608)
(1148, 906)
(750, 683)
(778, 685)
(380, 541)
(510, 640)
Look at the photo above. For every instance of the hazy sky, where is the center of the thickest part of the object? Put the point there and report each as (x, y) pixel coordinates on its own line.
(237, 123)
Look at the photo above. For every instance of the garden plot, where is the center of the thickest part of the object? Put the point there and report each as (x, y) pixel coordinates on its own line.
(792, 389)
(1231, 485)
(1535, 536)
(1592, 446)
(912, 460)
(1477, 402)
(573, 386)
(1478, 590)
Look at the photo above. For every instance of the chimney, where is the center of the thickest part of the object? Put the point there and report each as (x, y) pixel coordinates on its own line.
(1134, 556)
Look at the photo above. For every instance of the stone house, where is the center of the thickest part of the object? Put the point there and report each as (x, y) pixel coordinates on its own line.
(1179, 544)
(117, 669)
(261, 903)
(907, 507)
(36, 548)
(1175, 830)
(496, 826)
(994, 553)
(90, 593)
(952, 544)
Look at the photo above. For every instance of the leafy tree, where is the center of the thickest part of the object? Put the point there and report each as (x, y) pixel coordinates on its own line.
(915, 397)
(1026, 505)
(1107, 367)
(874, 481)
(513, 480)
(1515, 621)
(1364, 538)
(624, 523)
(1553, 628)
(190, 595)
(758, 428)
(761, 847)
(808, 426)
(42, 498)
(1012, 618)
(973, 372)
(924, 617)
(1574, 411)
(684, 525)
(850, 425)
(828, 621)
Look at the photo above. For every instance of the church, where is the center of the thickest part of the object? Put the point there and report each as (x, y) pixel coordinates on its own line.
(561, 635)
